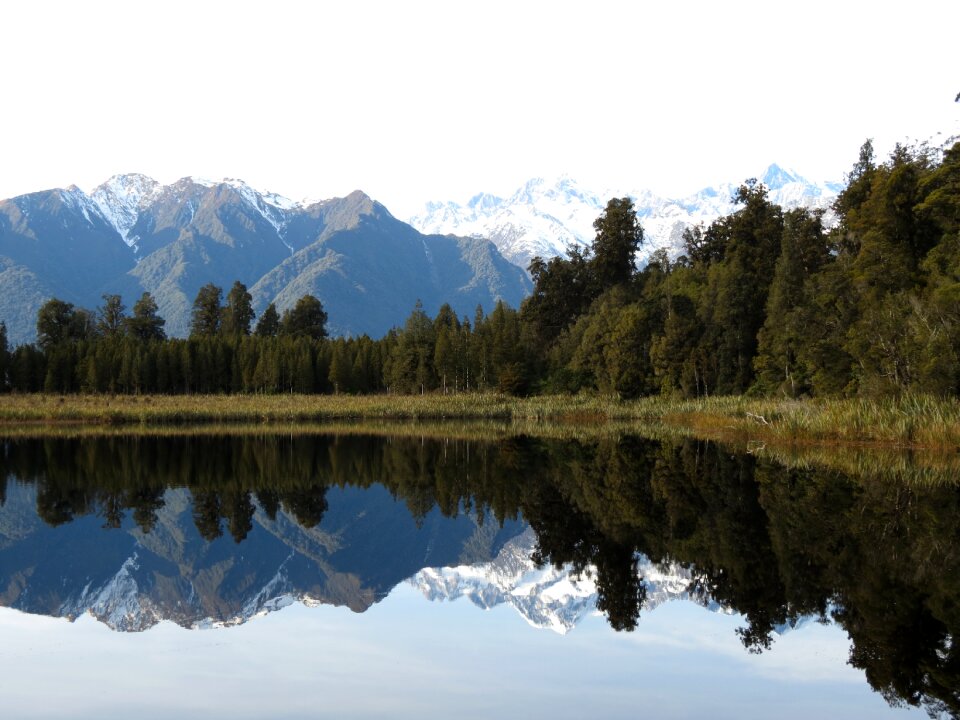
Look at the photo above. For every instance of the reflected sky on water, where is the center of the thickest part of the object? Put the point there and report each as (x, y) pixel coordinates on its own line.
(412, 658)
(605, 578)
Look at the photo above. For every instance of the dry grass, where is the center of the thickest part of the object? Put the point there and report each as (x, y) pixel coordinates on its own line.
(909, 422)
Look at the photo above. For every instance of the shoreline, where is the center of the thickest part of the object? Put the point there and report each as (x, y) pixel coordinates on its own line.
(911, 422)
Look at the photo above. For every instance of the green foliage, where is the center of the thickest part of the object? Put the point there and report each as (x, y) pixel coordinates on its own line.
(207, 313)
(269, 323)
(781, 340)
(58, 322)
(111, 318)
(146, 324)
(306, 319)
(763, 300)
(619, 236)
(238, 312)
(562, 290)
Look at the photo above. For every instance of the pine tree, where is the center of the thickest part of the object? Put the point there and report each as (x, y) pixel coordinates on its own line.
(340, 368)
(238, 312)
(618, 238)
(145, 324)
(306, 319)
(207, 313)
(412, 359)
(111, 317)
(804, 250)
(444, 359)
(269, 323)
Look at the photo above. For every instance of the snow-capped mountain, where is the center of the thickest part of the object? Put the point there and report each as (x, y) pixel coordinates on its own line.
(132, 235)
(545, 597)
(122, 198)
(543, 217)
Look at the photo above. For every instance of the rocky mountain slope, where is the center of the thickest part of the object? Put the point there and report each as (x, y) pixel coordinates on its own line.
(132, 234)
(366, 544)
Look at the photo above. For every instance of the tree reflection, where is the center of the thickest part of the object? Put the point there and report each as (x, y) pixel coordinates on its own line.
(879, 557)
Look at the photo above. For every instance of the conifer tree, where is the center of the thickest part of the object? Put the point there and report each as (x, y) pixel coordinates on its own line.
(619, 236)
(207, 313)
(803, 251)
(269, 323)
(306, 319)
(238, 312)
(145, 324)
(111, 318)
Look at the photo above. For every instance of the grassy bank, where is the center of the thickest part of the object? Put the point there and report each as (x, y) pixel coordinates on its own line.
(911, 422)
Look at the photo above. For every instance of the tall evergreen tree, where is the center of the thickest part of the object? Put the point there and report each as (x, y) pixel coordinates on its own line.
(619, 236)
(111, 316)
(145, 324)
(305, 319)
(562, 290)
(207, 313)
(804, 250)
(269, 323)
(238, 312)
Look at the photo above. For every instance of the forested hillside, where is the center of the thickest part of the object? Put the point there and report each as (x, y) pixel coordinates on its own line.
(761, 301)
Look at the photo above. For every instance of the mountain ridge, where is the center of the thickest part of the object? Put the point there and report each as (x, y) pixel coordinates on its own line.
(132, 234)
(545, 215)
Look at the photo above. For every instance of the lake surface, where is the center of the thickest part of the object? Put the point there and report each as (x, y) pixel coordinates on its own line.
(370, 575)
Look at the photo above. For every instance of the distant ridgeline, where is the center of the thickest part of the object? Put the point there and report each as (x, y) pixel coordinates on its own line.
(762, 300)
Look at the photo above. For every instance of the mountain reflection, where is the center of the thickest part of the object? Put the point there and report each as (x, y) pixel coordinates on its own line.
(215, 529)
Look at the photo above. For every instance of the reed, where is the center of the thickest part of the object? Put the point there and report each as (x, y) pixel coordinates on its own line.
(905, 422)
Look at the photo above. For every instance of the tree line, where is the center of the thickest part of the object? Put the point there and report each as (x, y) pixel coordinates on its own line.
(862, 299)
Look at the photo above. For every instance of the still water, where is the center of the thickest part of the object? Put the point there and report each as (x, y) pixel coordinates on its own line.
(370, 575)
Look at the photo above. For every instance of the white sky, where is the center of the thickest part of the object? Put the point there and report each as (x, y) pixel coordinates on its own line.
(412, 101)
(409, 658)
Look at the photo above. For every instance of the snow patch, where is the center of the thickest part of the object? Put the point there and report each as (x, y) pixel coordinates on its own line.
(121, 200)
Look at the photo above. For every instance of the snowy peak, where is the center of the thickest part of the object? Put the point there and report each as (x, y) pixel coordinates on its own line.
(75, 199)
(547, 598)
(122, 198)
(542, 217)
(776, 177)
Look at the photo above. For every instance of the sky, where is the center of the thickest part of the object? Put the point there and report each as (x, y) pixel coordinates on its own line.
(415, 101)
(410, 658)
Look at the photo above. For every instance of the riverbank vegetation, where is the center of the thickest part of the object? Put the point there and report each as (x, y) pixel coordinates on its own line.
(907, 421)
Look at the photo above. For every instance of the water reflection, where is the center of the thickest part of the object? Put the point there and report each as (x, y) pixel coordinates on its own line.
(215, 529)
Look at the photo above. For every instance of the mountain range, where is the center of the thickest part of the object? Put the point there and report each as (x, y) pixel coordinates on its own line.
(366, 544)
(542, 217)
(547, 597)
(132, 235)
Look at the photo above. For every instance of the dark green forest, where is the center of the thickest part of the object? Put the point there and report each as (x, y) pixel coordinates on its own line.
(858, 300)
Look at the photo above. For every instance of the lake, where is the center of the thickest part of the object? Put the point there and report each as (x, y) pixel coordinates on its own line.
(411, 572)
